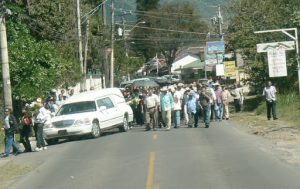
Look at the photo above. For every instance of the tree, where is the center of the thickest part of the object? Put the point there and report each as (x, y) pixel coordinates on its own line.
(146, 5)
(247, 16)
(169, 27)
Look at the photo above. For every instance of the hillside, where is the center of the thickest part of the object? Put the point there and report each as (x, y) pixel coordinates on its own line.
(206, 8)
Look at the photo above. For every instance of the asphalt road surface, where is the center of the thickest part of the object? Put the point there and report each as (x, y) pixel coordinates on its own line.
(221, 157)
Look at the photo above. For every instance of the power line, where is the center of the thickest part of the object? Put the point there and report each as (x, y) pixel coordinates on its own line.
(91, 12)
(162, 29)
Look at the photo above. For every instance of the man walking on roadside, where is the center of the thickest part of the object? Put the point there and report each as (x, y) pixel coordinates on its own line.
(270, 95)
(10, 128)
(205, 99)
(191, 106)
(166, 105)
(152, 102)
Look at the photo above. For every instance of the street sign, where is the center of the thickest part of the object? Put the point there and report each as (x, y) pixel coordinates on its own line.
(277, 63)
(286, 45)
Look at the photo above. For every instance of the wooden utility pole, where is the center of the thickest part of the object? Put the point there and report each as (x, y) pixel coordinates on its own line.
(112, 44)
(5, 64)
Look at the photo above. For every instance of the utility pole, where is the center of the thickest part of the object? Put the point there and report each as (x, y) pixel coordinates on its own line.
(220, 20)
(112, 44)
(82, 88)
(86, 50)
(104, 12)
(5, 63)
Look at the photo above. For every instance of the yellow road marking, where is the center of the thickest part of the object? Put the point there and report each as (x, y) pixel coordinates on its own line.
(150, 177)
(154, 137)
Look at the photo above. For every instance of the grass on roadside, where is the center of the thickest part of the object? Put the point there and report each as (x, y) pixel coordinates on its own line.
(287, 107)
(1, 141)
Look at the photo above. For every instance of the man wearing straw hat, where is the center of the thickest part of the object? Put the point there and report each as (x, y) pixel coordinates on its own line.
(166, 105)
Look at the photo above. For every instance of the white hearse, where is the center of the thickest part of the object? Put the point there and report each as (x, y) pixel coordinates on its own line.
(89, 113)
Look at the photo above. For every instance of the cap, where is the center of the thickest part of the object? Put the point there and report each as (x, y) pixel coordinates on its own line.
(164, 89)
(39, 100)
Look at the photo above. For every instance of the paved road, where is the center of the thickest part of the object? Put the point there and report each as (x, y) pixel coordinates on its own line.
(221, 157)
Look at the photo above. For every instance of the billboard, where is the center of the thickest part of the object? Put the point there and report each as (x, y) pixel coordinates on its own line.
(213, 58)
(214, 47)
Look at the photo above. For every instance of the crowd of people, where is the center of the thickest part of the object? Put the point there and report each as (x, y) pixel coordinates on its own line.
(31, 123)
(153, 108)
(160, 107)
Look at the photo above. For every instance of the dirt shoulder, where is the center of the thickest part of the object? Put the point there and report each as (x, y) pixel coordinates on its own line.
(284, 136)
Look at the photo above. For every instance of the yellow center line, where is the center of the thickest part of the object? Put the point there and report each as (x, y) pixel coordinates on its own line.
(150, 177)
(155, 137)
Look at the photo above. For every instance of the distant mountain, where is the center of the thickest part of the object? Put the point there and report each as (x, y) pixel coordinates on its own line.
(205, 8)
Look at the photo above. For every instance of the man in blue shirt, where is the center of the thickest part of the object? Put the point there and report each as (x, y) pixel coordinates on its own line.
(166, 105)
(191, 105)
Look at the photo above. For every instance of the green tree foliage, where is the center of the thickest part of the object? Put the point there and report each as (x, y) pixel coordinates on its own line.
(146, 5)
(173, 26)
(247, 16)
(35, 66)
(125, 65)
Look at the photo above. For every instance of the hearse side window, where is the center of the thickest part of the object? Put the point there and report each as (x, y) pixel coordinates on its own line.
(105, 102)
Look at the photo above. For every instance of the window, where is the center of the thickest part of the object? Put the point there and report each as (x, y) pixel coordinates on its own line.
(105, 102)
(78, 107)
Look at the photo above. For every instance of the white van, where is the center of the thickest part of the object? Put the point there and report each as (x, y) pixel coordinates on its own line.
(89, 113)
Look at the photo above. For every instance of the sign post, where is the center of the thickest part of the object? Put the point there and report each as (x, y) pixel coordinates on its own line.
(294, 37)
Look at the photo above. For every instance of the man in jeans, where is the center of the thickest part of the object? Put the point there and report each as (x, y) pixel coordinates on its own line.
(10, 127)
(191, 106)
(205, 99)
(270, 95)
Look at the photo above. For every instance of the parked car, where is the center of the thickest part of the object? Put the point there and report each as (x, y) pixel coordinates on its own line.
(89, 113)
(173, 78)
(203, 81)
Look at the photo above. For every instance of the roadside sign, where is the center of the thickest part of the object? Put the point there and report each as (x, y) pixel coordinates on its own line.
(265, 47)
(277, 63)
(230, 69)
(214, 47)
(213, 58)
(220, 70)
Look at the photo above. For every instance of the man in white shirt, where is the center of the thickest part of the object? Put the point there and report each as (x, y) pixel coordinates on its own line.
(177, 106)
(152, 102)
(270, 95)
(43, 116)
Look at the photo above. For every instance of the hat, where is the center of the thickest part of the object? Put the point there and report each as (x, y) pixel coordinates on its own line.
(6, 110)
(180, 84)
(164, 89)
(39, 100)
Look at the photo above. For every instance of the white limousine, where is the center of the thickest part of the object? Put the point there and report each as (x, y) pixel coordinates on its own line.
(89, 113)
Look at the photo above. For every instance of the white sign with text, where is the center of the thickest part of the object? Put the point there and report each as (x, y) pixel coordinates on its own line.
(277, 63)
